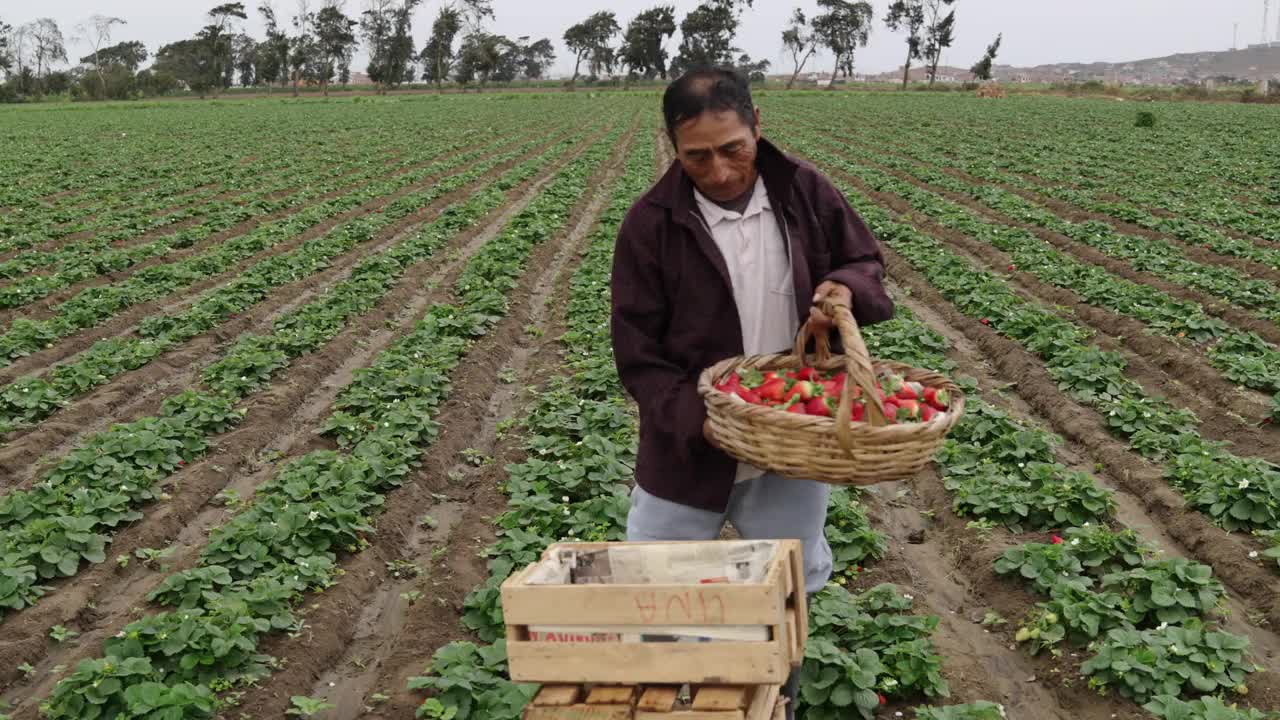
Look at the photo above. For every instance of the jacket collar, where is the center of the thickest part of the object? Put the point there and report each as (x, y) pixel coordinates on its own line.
(675, 190)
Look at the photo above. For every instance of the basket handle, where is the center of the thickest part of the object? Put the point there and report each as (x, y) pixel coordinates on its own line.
(857, 365)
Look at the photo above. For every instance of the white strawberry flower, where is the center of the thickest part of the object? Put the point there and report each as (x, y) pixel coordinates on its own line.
(1243, 484)
(313, 514)
(1253, 554)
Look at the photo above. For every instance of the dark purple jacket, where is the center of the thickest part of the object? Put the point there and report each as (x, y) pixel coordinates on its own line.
(674, 313)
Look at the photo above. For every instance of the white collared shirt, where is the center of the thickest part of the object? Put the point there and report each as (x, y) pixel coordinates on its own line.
(759, 263)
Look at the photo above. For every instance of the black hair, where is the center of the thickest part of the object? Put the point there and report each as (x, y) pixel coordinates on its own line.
(707, 90)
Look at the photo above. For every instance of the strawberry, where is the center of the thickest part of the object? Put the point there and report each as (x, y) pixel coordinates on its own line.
(907, 392)
(772, 390)
(908, 409)
(797, 408)
(807, 373)
(1013, 267)
(882, 699)
(820, 407)
(985, 321)
(858, 412)
(802, 389)
(939, 399)
(927, 413)
(1055, 540)
(830, 388)
(891, 412)
(750, 396)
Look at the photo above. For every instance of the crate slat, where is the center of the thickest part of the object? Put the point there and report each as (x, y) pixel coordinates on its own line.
(552, 695)
(717, 662)
(641, 605)
(612, 695)
(721, 697)
(658, 698)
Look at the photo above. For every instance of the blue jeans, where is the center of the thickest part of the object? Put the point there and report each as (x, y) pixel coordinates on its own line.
(769, 507)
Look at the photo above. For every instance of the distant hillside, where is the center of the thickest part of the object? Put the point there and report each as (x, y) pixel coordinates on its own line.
(1255, 63)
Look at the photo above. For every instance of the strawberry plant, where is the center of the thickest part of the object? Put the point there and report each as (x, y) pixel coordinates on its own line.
(1169, 707)
(1167, 591)
(1142, 664)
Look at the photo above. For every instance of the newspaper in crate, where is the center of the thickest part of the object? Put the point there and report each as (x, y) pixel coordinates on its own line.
(734, 562)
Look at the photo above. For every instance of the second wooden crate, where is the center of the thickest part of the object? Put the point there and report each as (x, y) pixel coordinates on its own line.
(656, 702)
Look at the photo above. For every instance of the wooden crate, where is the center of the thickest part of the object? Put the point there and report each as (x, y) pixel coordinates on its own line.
(656, 702)
(778, 605)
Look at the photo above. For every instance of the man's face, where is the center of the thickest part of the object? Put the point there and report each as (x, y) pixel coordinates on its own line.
(718, 151)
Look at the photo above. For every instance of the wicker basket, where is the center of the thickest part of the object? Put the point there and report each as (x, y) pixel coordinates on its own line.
(833, 450)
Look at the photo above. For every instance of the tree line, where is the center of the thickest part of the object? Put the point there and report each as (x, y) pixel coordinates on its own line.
(315, 45)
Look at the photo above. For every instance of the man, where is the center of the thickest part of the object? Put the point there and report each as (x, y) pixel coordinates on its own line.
(722, 257)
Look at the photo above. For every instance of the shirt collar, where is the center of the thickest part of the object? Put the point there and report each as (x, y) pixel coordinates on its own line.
(714, 214)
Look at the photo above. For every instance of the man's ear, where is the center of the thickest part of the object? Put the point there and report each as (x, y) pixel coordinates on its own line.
(757, 129)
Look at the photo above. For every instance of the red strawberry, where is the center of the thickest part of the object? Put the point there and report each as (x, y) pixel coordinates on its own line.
(927, 413)
(1055, 540)
(797, 408)
(883, 700)
(907, 392)
(807, 373)
(940, 399)
(891, 412)
(818, 406)
(858, 412)
(802, 390)
(908, 409)
(772, 390)
(1013, 267)
(830, 388)
(750, 396)
(985, 321)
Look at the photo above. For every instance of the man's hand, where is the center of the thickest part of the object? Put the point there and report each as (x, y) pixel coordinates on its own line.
(710, 435)
(833, 292)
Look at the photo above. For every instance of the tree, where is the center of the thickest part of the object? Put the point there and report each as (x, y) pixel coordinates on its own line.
(940, 36)
(908, 15)
(643, 48)
(47, 44)
(752, 70)
(246, 58)
(273, 52)
(387, 27)
(536, 58)
(335, 36)
(589, 39)
(982, 69)
(130, 54)
(707, 35)
(97, 32)
(438, 56)
(6, 54)
(187, 62)
(845, 27)
(798, 39)
(217, 43)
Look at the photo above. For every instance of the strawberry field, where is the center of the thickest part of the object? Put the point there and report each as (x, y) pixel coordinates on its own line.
(288, 388)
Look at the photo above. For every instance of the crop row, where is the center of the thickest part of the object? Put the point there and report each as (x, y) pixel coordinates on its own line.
(1148, 254)
(1194, 177)
(46, 532)
(33, 398)
(95, 305)
(1107, 590)
(258, 565)
(1237, 493)
(1244, 358)
(140, 211)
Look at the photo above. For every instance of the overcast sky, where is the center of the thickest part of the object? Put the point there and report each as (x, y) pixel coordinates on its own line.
(1036, 31)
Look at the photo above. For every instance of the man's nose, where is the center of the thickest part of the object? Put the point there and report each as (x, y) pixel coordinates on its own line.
(721, 173)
